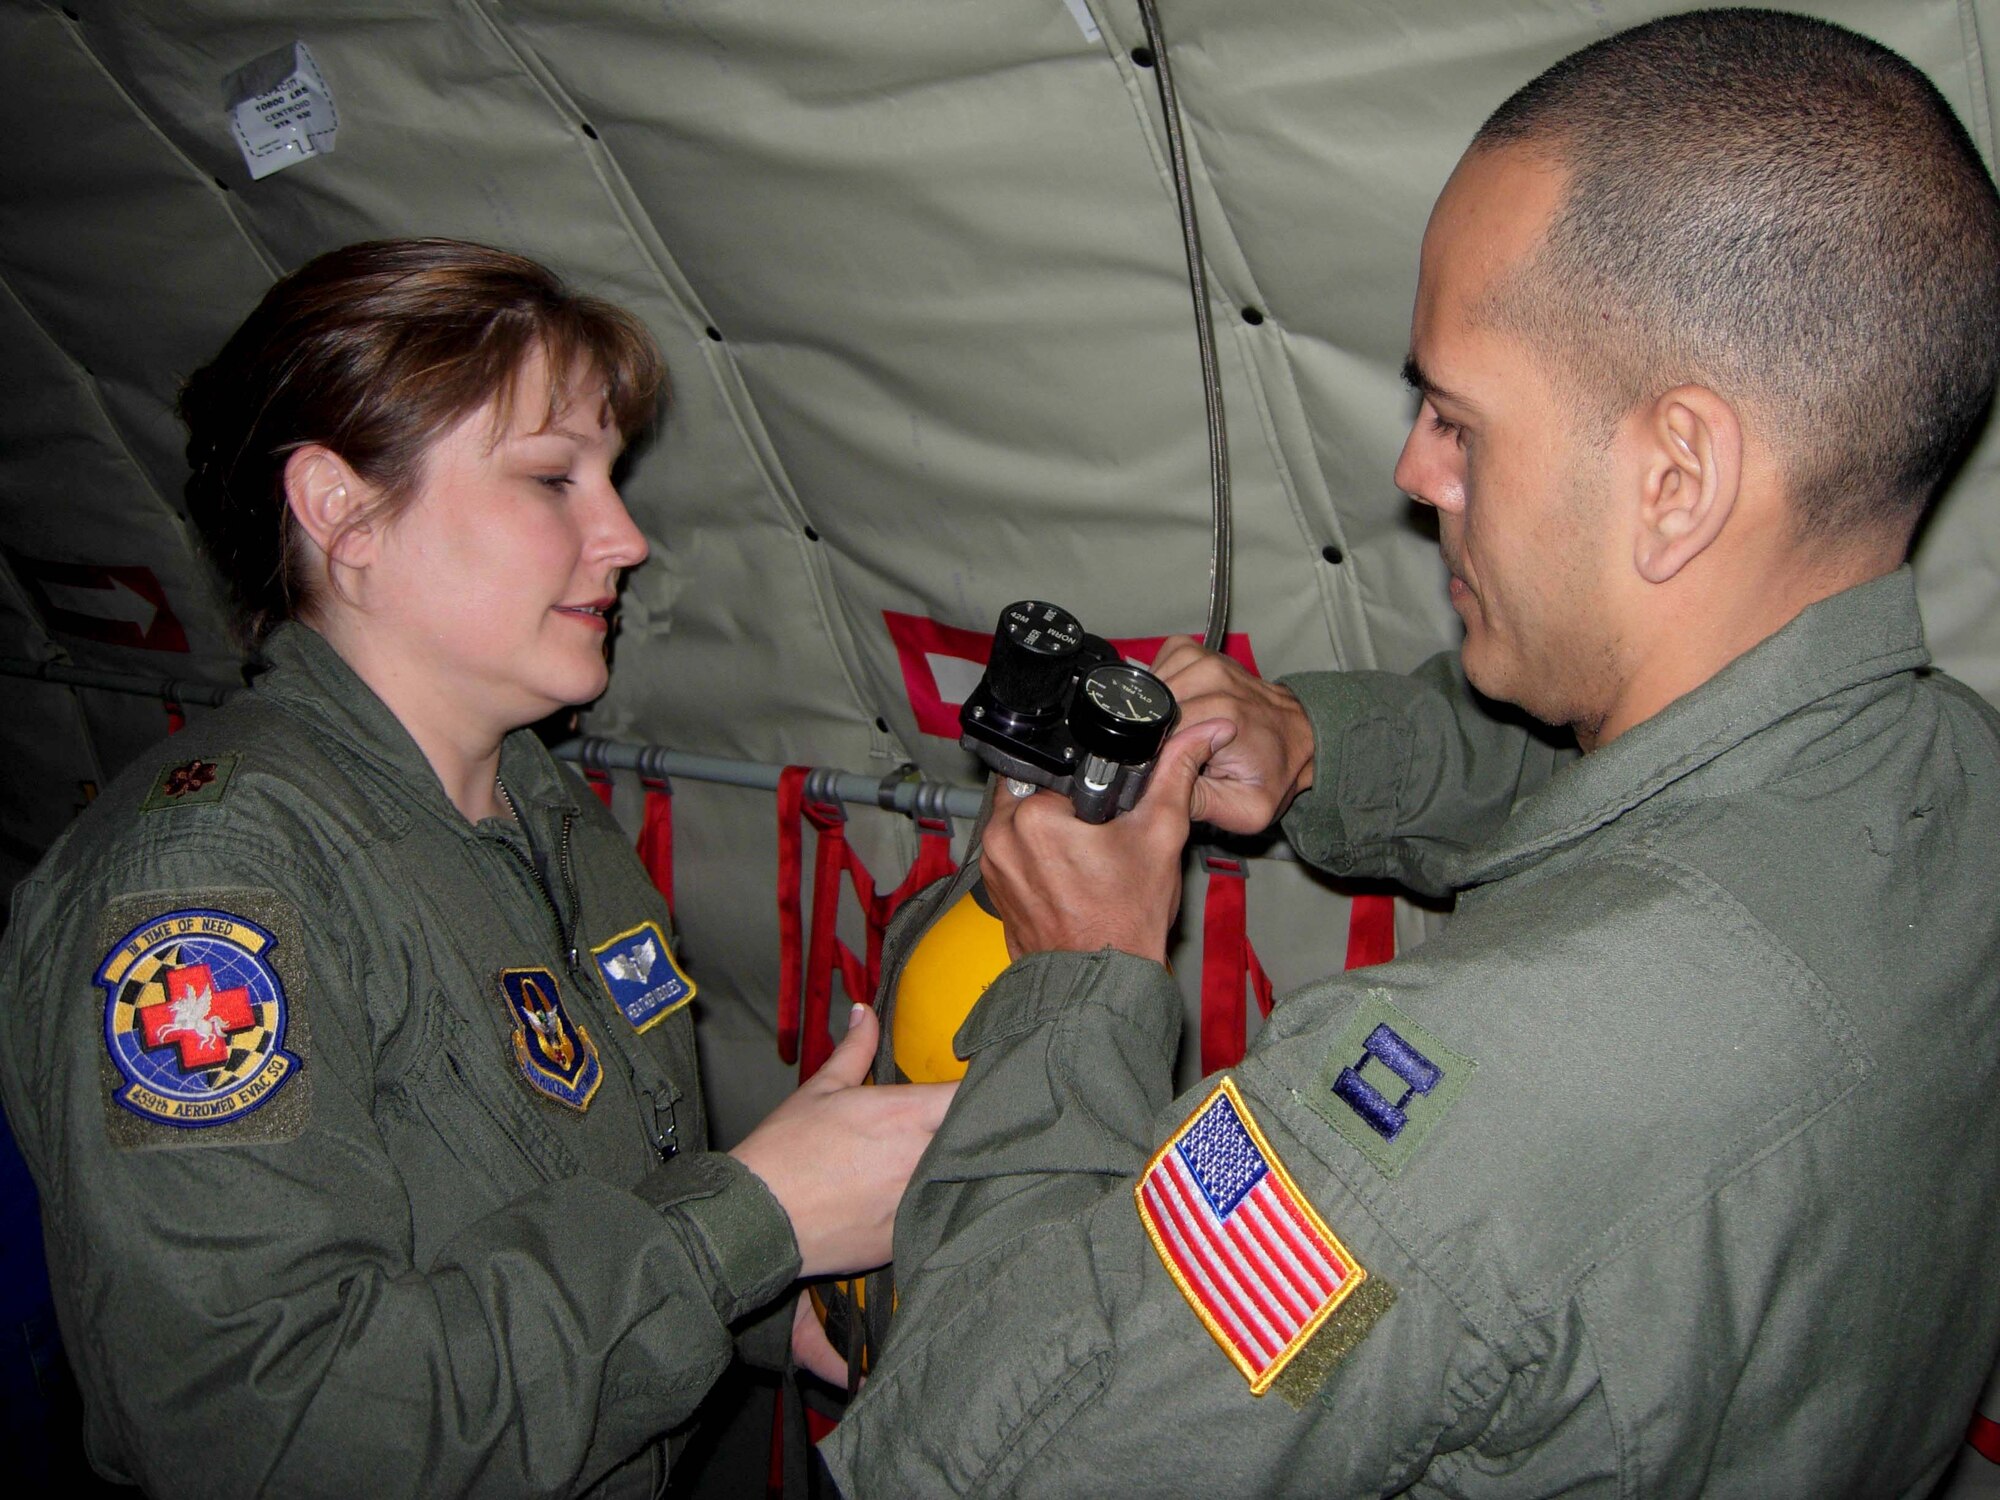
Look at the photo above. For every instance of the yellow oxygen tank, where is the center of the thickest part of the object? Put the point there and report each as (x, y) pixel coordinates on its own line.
(953, 963)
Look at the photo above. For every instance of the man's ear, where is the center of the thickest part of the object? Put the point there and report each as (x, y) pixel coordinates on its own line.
(1692, 447)
(325, 497)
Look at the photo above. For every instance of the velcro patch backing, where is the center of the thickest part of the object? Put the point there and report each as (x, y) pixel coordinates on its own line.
(1333, 1341)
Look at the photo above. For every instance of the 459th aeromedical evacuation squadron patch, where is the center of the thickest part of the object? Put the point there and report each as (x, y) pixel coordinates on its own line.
(195, 1017)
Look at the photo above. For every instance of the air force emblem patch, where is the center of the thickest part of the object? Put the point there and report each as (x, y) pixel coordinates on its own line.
(555, 1053)
(195, 1018)
(639, 970)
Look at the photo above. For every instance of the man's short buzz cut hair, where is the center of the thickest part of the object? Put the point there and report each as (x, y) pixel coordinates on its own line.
(1785, 212)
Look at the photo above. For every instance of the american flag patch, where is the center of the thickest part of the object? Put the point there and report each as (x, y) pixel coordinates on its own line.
(1257, 1264)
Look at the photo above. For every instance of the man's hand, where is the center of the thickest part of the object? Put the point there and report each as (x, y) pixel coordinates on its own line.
(1250, 781)
(1062, 884)
(837, 1154)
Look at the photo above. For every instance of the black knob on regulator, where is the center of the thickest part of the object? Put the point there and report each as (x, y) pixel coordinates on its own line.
(1034, 654)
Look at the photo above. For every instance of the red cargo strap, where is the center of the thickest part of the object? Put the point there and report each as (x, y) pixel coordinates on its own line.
(817, 1425)
(656, 839)
(1227, 958)
(806, 969)
(1371, 931)
(1984, 1435)
(791, 792)
(655, 844)
(824, 949)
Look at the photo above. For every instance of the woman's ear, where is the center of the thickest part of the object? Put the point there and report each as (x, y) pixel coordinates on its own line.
(327, 500)
(1693, 476)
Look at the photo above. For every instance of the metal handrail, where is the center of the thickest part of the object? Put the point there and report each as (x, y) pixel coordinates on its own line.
(903, 790)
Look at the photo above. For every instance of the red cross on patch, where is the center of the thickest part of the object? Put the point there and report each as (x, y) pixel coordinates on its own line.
(195, 1018)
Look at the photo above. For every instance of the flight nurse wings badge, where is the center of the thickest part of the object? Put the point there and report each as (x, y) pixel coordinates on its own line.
(1259, 1267)
(639, 971)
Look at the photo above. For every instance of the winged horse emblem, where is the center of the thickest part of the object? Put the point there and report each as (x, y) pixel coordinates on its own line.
(193, 1014)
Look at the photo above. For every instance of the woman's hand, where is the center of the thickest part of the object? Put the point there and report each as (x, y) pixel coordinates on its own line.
(812, 1349)
(837, 1154)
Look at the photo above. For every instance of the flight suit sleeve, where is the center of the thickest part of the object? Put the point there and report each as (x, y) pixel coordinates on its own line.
(1043, 1347)
(246, 1302)
(1410, 771)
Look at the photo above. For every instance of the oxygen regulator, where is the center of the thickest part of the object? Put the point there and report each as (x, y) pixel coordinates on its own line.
(1058, 707)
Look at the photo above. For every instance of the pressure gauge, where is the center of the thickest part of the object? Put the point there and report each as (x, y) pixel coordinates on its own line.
(1121, 708)
(1121, 715)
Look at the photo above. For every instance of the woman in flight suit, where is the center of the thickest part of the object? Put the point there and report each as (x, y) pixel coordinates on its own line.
(344, 1034)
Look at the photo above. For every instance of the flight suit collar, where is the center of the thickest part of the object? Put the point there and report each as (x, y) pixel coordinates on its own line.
(1860, 635)
(304, 674)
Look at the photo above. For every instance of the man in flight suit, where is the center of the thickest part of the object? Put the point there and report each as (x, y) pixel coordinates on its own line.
(1667, 1169)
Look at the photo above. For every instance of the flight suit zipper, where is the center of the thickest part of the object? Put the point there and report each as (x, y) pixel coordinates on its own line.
(565, 931)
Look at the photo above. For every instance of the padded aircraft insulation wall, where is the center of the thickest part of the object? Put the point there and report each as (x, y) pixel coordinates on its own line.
(915, 267)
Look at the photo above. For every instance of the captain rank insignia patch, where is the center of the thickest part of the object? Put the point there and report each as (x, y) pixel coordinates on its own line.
(196, 1024)
(1387, 1082)
(555, 1053)
(1257, 1264)
(640, 972)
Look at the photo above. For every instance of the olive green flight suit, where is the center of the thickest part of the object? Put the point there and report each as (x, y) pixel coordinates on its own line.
(1680, 1178)
(405, 1270)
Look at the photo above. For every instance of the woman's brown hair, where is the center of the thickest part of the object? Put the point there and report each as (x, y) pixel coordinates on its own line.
(375, 351)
